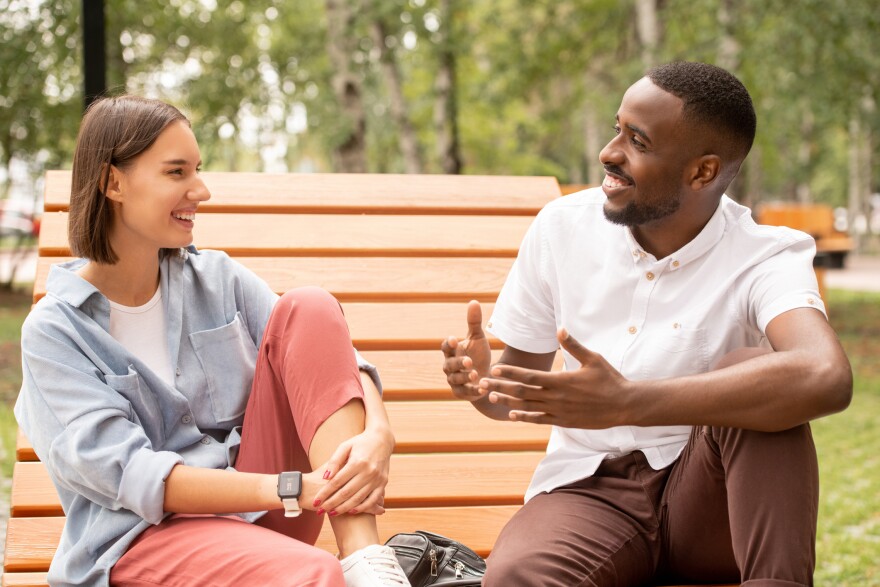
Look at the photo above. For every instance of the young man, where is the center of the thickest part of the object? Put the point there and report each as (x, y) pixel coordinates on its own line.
(697, 351)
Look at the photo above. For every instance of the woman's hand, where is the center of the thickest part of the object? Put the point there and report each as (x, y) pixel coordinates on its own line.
(357, 474)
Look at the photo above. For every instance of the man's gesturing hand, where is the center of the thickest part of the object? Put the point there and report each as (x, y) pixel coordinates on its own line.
(465, 362)
(594, 396)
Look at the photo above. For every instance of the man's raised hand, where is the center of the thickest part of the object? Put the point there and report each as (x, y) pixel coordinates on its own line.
(466, 361)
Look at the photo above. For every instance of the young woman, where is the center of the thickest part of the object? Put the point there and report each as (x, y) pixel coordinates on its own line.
(166, 388)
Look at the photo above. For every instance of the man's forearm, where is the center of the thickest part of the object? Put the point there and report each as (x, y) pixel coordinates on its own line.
(771, 392)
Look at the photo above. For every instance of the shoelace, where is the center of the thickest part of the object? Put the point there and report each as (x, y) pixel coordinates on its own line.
(386, 567)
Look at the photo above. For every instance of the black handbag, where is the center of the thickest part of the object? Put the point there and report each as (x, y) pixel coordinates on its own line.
(431, 559)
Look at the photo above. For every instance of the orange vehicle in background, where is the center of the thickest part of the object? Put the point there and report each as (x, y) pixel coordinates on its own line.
(817, 220)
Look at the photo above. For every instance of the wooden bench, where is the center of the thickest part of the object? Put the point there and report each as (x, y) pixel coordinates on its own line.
(403, 254)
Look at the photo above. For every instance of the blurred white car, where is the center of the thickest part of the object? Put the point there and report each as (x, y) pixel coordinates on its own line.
(16, 221)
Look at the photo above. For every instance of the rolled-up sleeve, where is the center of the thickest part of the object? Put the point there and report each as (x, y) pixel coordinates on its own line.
(85, 431)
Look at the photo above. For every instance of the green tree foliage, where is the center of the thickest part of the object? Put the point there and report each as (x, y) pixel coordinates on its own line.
(537, 82)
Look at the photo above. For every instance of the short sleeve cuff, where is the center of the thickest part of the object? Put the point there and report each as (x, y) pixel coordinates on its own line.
(370, 369)
(142, 488)
(792, 301)
(520, 340)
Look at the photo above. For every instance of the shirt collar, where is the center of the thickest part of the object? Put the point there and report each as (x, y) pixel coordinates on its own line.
(65, 284)
(696, 248)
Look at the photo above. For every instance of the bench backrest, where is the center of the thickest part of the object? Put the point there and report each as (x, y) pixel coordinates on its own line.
(403, 254)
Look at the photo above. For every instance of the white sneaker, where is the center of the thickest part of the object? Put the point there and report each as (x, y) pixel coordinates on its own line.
(373, 566)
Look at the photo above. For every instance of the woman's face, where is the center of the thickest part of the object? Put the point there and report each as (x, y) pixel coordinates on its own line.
(157, 195)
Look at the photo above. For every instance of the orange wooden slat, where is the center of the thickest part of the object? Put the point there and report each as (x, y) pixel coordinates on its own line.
(356, 193)
(24, 451)
(31, 542)
(447, 426)
(24, 580)
(456, 426)
(417, 480)
(362, 279)
(408, 326)
(279, 235)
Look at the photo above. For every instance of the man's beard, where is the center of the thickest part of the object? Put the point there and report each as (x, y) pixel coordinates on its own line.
(636, 213)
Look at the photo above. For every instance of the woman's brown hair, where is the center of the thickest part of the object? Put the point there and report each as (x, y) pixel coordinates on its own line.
(114, 131)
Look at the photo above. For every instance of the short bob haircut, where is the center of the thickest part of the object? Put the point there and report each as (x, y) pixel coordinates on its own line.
(114, 131)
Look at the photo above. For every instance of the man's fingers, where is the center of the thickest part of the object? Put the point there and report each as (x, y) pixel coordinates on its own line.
(449, 345)
(530, 417)
(575, 348)
(457, 365)
(475, 319)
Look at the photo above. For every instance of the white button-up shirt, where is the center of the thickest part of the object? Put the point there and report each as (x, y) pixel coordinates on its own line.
(649, 318)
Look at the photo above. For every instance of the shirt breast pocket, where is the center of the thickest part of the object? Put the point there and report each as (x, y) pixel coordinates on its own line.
(228, 357)
(682, 351)
(144, 406)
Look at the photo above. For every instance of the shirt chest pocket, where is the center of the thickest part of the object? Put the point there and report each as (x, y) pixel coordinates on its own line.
(144, 406)
(675, 353)
(228, 357)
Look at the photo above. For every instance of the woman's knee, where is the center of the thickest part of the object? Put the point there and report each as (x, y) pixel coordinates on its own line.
(310, 297)
(310, 566)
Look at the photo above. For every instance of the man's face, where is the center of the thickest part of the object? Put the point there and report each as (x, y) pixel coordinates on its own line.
(645, 162)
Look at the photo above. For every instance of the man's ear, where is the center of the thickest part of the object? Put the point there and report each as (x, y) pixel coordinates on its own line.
(706, 170)
(113, 189)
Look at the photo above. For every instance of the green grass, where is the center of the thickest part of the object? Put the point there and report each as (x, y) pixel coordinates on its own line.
(848, 545)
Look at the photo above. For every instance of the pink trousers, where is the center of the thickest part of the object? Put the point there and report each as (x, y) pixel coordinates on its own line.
(305, 372)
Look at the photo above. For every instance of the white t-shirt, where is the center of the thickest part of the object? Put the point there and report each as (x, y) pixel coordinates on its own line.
(141, 330)
(650, 319)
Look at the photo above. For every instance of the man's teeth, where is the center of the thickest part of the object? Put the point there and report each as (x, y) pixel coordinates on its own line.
(614, 182)
(185, 215)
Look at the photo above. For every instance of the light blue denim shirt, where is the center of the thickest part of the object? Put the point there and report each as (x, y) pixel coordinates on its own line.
(109, 429)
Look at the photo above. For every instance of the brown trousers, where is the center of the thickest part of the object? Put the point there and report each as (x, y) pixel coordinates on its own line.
(737, 506)
(306, 370)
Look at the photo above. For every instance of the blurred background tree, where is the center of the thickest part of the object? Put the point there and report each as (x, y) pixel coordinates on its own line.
(453, 86)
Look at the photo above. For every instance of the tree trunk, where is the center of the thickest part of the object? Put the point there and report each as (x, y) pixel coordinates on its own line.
(350, 155)
(859, 207)
(445, 108)
(409, 145)
(592, 147)
(728, 47)
(805, 156)
(648, 30)
(729, 58)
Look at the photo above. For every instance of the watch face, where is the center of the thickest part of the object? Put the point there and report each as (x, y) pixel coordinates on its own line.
(289, 484)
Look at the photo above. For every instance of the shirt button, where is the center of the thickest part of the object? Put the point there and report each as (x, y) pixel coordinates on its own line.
(649, 275)
(488, 325)
(811, 301)
(632, 329)
(676, 325)
(186, 419)
(675, 263)
(177, 372)
(205, 440)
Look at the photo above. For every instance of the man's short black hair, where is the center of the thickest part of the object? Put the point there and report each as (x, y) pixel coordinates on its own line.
(711, 96)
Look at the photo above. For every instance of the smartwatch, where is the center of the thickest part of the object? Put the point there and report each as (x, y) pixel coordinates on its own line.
(289, 490)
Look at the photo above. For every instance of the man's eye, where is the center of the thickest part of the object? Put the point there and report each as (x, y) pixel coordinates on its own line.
(638, 143)
(617, 130)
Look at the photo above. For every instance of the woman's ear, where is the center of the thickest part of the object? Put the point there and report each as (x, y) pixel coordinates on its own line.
(705, 172)
(113, 191)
